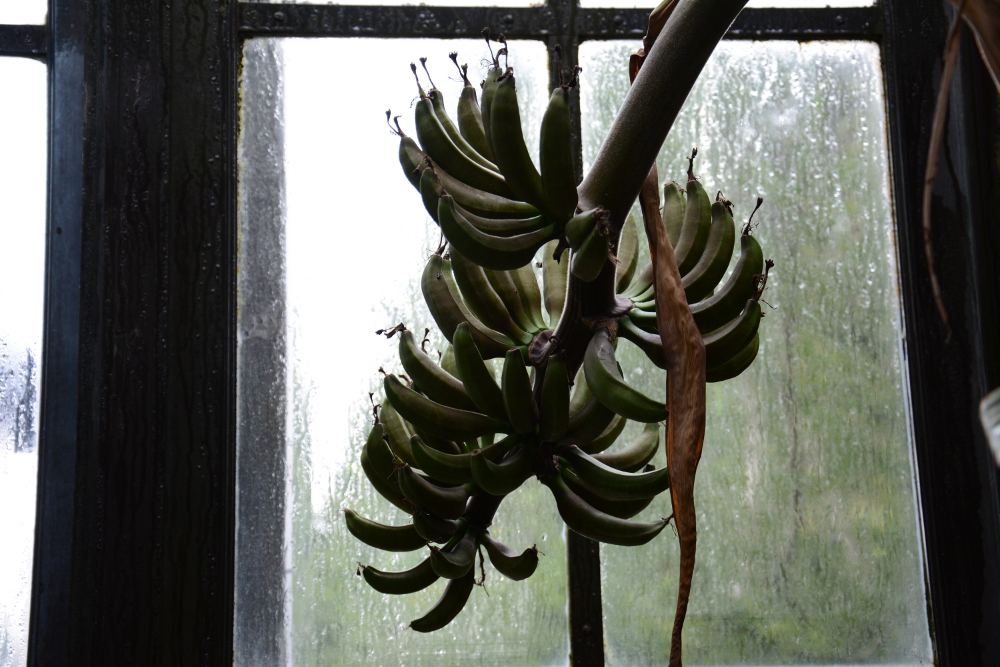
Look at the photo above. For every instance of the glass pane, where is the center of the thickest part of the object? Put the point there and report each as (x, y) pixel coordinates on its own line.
(333, 243)
(809, 548)
(22, 228)
(752, 3)
(16, 12)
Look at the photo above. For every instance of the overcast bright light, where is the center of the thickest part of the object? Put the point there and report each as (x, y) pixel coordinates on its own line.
(22, 228)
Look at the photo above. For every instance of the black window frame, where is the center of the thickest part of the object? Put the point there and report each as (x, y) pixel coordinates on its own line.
(135, 530)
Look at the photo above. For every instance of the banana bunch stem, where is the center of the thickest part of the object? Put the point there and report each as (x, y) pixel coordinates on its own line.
(668, 73)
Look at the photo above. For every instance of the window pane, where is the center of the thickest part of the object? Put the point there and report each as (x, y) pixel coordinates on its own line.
(22, 228)
(333, 243)
(23, 12)
(808, 546)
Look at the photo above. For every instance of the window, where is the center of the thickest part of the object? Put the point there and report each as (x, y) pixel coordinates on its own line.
(138, 403)
(22, 225)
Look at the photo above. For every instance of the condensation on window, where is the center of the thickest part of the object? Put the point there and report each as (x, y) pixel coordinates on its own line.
(333, 240)
(22, 228)
(809, 547)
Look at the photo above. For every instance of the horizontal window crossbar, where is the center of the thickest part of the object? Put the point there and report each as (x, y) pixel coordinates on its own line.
(24, 41)
(539, 22)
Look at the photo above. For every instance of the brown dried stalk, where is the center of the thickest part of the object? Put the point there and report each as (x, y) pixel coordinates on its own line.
(684, 352)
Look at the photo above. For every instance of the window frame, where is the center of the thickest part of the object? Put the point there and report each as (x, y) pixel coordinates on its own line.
(135, 532)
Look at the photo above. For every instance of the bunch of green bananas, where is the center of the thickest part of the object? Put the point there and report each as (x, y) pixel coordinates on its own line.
(703, 235)
(451, 441)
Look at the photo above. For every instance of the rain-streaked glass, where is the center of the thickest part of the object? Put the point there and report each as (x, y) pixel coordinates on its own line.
(22, 228)
(28, 12)
(809, 548)
(333, 242)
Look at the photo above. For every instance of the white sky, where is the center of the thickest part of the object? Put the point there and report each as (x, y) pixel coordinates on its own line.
(22, 230)
(23, 11)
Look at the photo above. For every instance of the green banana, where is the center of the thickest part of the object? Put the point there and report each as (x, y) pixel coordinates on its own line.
(673, 211)
(453, 468)
(554, 279)
(650, 344)
(411, 159)
(706, 274)
(439, 420)
(473, 199)
(590, 522)
(430, 193)
(582, 224)
(443, 445)
(736, 364)
(448, 310)
(380, 536)
(483, 300)
(628, 254)
(486, 250)
(611, 483)
(556, 156)
(447, 503)
(503, 478)
(696, 227)
(518, 399)
(636, 455)
(457, 557)
(623, 509)
(510, 295)
(436, 143)
(478, 378)
(398, 432)
(553, 415)
(501, 226)
(587, 423)
(437, 102)
(727, 303)
(605, 381)
(531, 297)
(581, 393)
(470, 118)
(607, 437)
(645, 320)
(449, 468)
(439, 385)
(641, 283)
(431, 187)
(432, 528)
(647, 299)
(448, 360)
(722, 345)
(511, 153)
(587, 262)
(400, 583)
(489, 89)
(509, 563)
(450, 604)
(378, 464)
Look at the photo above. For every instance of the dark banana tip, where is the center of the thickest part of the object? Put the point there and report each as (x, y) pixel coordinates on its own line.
(749, 227)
